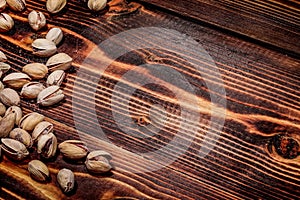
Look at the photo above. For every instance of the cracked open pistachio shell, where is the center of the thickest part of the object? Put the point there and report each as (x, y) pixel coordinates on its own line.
(6, 22)
(3, 57)
(50, 96)
(98, 162)
(55, 35)
(54, 6)
(31, 90)
(21, 136)
(3, 5)
(29, 121)
(9, 97)
(17, 110)
(16, 5)
(37, 20)
(56, 78)
(43, 47)
(4, 67)
(73, 149)
(14, 149)
(66, 180)
(38, 171)
(16, 80)
(7, 123)
(36, 70)
(2, 109)
(60, 61)
(97, 5)
(43, 128)
(47, 145)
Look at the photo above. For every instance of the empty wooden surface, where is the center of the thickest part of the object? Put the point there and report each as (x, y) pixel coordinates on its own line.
(255, 155)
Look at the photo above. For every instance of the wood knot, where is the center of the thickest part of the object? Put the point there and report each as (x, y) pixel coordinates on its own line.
(286, 146)
(142, 120)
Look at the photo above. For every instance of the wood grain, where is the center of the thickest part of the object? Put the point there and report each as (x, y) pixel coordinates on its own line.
(256, 154)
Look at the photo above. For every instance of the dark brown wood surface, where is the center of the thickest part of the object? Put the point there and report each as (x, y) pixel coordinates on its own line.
(255, 155)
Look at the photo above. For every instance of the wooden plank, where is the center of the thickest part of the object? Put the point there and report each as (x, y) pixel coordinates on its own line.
(273, 23)
(262, 92)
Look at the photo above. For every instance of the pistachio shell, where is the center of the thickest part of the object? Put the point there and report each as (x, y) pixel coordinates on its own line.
(16, 80)
(3, 5)
(66, 180)
(73, 149)
(21, 136)
(1, 84)
(55, 6)
(47, 145)
(43, 47)
(43, 128)
(3, 57)
(7, 123)
(38, 171)
(29, 121)
(97, 162)
(37, 20)
(17, 110)
(97, 5)
(56, 78)
(14, 149)
(50, 96)
(36, 70)
(9, 97)
(55, 35)
(16, 5)
(31, 90)
(2, 109)
(4, 67)
(6, 22)
(60, 61)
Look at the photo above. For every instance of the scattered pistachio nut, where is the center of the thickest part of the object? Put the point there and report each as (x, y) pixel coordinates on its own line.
(47, 145)
(29, 121)
(66, 180)
(56, 78)
(43, 128)
(98, 162)
(35, 70)
(60, 61)
(50, 96)
(2, 109)
(97, 5)
(9, 97)
(37, 20)
(16, 80)
(21, 136)
(3, 5)
(7, 123)
(73, 149)
(16, 5)
(43, 47)
(6, 22)
(38, 171)
(31, 90)
(3, 57)
(55, 35)
(14, 149)
(17, 110)
(4, 67)
(55, 6)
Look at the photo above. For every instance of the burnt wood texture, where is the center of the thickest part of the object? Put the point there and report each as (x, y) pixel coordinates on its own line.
(254, 155)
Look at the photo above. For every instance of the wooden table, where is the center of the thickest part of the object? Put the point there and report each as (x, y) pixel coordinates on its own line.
(248, 78)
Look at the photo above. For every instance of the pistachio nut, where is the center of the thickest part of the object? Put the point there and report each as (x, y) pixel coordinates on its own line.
(29, 121)
(2, 109)
(97, 5)
(35, 70)
(22, 136)
(3, 5)
(6, 22)
(9, 97)
(16, 80)
(47, 145)
(66, 180)
(54, 6)
(16, 5)
(7, 123)
(37, 20)
(50, 96)
(60, 61)
(56, 78)
(38, 171)
(73, 149)
(17, 110)
(43, 47)
(31, 90)
(4, 67)
(14, 149)
(55, 35)
(43, 128)
(98, 162)
(3, 57)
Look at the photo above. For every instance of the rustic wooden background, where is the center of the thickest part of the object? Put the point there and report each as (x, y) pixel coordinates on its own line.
(256, 47)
